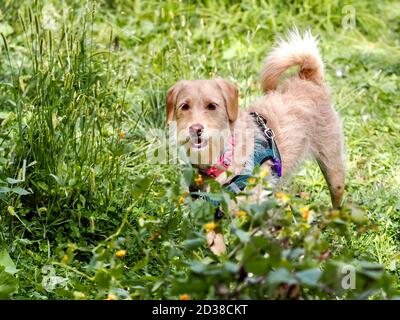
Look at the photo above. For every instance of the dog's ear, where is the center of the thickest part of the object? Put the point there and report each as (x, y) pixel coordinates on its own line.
(231, 98)
(171, 100)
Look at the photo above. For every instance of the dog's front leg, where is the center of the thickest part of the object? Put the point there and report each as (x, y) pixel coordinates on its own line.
(216, 242)
(215, 239)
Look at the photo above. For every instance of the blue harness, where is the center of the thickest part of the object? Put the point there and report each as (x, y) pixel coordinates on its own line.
(265, 148)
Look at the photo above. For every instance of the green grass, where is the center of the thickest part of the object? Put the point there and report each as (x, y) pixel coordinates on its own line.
(74, 189)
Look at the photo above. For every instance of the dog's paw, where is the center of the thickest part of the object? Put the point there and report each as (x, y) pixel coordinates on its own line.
(216, 243)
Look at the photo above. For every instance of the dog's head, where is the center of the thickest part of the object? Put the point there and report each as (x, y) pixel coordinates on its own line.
(204, 111)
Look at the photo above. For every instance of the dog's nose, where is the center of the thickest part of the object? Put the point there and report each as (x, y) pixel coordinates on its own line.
(196, 129)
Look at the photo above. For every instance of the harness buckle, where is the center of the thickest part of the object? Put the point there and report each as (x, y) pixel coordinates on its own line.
(269, 133)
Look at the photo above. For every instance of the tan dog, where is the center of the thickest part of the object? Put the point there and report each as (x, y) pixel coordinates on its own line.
(298, 111)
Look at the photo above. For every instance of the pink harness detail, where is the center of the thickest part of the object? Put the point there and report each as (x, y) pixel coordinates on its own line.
(224, 161)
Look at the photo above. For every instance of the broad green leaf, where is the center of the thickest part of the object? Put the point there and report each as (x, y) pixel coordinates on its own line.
(102, 279)
(258, 265)
(198, 267)
(309, 277)
(13, 181)
(242, 235)
(8, 284)
(7, 263)
(279, 276)
(58, 180)
(42, 185)
(259, 242)
(231, 267)
(140, 264)
(20, 191)
(293, 253)
(4, 189)
(193, 243)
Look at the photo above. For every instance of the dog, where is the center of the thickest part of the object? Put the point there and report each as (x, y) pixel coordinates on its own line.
(298, 113)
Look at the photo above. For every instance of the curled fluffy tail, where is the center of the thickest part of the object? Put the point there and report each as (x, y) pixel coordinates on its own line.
(296, 50)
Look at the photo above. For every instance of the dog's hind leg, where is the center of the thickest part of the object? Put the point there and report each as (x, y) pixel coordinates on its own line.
(334, 176)
(330, 160)
(332, 167)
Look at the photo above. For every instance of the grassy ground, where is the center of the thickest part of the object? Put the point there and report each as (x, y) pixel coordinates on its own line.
(82, 85)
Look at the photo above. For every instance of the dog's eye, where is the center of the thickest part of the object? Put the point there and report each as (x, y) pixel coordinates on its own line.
(184, 107)
(211, 106)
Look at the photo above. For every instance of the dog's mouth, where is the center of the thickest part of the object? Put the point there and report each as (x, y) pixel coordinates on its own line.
(198, 143)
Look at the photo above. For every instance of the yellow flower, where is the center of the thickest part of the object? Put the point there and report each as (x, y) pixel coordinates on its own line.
(184, 296)
(264, 173)
(240, 213)
(64, 259)
(121, 134)
(305, 212)
(283, 197)
(181, 199)
(252, 180)
(199, 180)
(111, 296)
(121, 253)
(210, 226)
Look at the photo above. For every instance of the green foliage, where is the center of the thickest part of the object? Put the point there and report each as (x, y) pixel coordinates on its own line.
(8, 283)
(85, 216)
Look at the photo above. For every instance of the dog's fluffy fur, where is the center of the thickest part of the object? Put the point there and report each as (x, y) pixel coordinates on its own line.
(298, 110)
